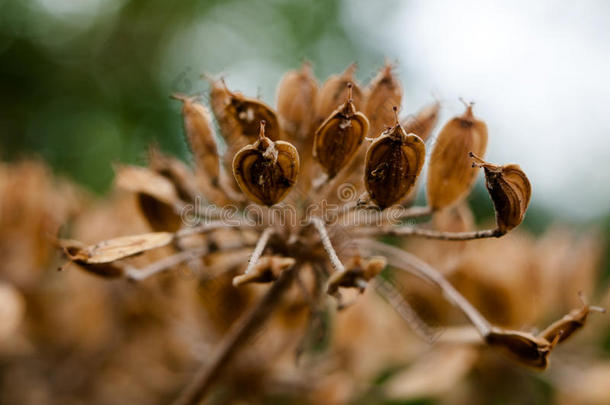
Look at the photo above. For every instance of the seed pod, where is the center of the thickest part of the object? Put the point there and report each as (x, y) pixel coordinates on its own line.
(392, 164)
(358, 272)
(450, 175)
(510, 191)
(423, 122)
(268, 268)
(381, 95)
(239, 116)
(296, 95)
(527, 349)
(334, 92)
(200, 136)
(337, 140)
(266, 170)
(570, 323)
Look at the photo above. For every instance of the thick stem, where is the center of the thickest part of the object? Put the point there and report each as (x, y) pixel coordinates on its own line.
(407, 262)
(235, 338)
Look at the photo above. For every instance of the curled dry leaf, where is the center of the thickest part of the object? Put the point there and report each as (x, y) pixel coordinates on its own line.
(267, 268)
(510, 191)
(296, 95)
(156, 194)
(200, 136)
(338, 138)
(266, 171)
(333, 92)
(100, 258)
(357, 273)
(450, 175)
(392, 164)
(423, 122)
(381, 95)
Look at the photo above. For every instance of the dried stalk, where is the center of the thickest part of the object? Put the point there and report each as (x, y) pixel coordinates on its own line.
(234, 340)
(135, 274)
(410, 263)
(429, 233)
(328, 246)
(258, 250)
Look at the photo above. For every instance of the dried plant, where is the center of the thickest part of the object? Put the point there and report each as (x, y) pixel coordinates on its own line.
(304, 195)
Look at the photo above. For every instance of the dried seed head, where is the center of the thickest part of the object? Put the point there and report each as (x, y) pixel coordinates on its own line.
(334, 92)
(268, 268)
(337, 140)
(392, 164)
(358, 272)
(381, 95)
(296, 95)
(510, 191)
(200, 136)
(423, 122)
(524, 348)
(570, 323)
(266, 170)
(450, 175)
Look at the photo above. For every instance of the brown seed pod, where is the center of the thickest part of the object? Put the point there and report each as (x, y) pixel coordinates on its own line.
(423, 122)
(358, 272)
(268, 268)
(392, 164)
(200, 136)
(239, 116)
(570, 323)
(266, 170)
(296, 95)
(450, 175)
(380, 96)
(337, 140)
(527, 349)
(510, 191)
(334, 92)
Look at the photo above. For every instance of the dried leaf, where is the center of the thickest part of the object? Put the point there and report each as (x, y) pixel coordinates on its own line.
(266, 170)
(423, 122)
(450, 175)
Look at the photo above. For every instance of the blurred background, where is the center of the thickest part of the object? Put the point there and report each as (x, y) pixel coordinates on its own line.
(85, 84)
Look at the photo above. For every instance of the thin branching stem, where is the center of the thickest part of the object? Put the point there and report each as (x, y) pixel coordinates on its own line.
(166, 263)
(207, 227)
(259, 248)
(407, 262)
(429, 233)
(328, 246)
(233, 340)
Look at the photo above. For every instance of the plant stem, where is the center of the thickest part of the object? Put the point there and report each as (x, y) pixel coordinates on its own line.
(233, 340)
(429, 233)
(258, 250)
(328, 246)
(136, 274)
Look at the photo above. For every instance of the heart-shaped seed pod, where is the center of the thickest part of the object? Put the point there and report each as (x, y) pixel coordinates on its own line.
(337, 140)
(450, 174)
(423, 122)
(296, 95)
(334, 92)
(381, 95)
(265, 171)
(510, 192)
(392, 164)
(200, 136)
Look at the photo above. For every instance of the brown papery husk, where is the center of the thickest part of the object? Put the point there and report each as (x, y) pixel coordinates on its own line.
(381, 95)
(450, 173)
(423, 122)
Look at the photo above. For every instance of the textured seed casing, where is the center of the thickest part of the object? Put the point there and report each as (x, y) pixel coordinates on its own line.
(338, 138)
(450, 174)
(423, 122)
(265, 171)
(392, 164)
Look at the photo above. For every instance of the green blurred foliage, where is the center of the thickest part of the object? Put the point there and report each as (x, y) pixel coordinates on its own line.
(85, 84)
